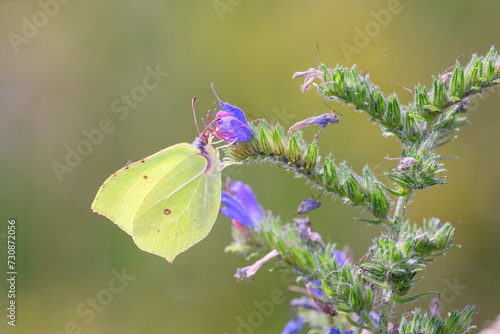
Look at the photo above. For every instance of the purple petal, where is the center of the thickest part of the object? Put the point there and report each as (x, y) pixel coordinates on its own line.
(234, 111)
(321, 120)
(245, 196)
(232, 129)
(232, 125)
(318, 292)
(235, 210)
(293, 326)
(309, 77)
(341, 258)
(338, 331)
(324, 119)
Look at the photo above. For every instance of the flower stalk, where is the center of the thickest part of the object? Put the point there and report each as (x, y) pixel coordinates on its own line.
(385, 311)
(397, 221)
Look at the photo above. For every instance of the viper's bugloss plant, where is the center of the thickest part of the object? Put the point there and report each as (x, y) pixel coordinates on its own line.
(342, 293)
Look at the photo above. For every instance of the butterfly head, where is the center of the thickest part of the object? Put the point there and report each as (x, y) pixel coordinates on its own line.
(204, 144)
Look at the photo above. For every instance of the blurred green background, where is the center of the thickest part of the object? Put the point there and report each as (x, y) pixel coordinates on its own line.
(61, 79)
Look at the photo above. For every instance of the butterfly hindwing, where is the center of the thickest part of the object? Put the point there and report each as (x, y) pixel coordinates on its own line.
(180, 210)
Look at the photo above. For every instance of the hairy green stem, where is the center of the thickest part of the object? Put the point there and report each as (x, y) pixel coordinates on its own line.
(394, 230)
(385, 311)
(397, 221)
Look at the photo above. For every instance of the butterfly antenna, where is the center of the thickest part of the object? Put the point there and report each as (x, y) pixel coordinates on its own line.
(215, 92)
(194, 115)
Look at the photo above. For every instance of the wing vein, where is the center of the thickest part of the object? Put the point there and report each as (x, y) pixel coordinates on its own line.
(186, 210)
(177, 189)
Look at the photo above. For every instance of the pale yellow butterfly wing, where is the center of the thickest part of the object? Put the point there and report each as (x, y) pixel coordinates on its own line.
(123, 192)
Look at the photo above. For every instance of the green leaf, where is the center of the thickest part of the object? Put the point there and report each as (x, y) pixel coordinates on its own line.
(413, 298)
(431, 107)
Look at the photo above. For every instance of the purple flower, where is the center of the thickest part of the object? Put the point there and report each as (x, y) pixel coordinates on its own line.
(341, 258)
(321, 120)
(242, 206)
(309, 77)
(308, 205)
(293, 326)
(304, 302)
(338, 331)
(232, 125)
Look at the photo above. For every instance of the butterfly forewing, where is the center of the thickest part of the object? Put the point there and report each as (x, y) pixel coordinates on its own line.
(122, 193)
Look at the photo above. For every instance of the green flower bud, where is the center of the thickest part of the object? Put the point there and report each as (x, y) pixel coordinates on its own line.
(444, 236)
(380, 204)
(368, 178)
(393, 114)
(353, 300)
(293, 153)
(423, 104)
(237, 155)
(330, 174)
(412, 130)
(243, 148)
(457, 82)
(278, 141)
(438, 93)
(254, 143)
(342, 183)
(422, 244)
(489, 68)
(377, 106)
(265, 138)
(311, 156)
(340, 79)
(354, 188)
(474, 75)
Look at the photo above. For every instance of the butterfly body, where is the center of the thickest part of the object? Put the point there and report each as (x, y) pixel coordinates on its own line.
(168, 201)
